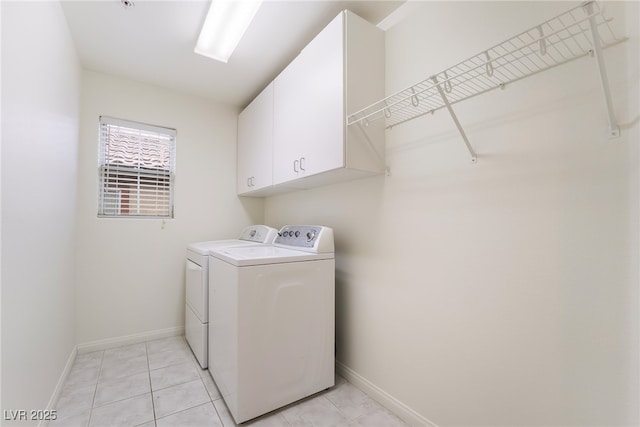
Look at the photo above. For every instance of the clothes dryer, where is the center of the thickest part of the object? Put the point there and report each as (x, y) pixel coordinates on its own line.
(197, 284)
(271, 334)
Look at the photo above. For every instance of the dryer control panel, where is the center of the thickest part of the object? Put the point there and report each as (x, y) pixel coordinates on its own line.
(308, 238)
(259, 234)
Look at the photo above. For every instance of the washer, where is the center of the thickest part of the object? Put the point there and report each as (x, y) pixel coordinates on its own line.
(197, 284)
(271, 335)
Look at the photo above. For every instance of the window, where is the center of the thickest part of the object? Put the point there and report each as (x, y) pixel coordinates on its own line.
(136, 169)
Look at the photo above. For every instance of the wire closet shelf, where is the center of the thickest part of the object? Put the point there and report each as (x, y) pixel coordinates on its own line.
(564, 38)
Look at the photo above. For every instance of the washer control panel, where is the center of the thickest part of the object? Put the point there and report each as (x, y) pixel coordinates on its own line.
(259, 234)
(309, 238)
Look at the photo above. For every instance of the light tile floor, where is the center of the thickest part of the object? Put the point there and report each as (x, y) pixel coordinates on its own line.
(159, 383)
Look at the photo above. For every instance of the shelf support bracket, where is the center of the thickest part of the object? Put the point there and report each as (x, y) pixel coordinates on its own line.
(445, 100)
(614, 130)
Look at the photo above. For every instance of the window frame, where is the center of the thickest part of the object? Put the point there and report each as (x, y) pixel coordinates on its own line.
(144, 185)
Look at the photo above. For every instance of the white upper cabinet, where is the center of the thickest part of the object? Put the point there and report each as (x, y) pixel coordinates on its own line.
(339, 72)
(309, 109)
(255, 144)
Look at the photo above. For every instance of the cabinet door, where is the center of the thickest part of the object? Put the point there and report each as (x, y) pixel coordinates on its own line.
(309, 108)
(255, 143)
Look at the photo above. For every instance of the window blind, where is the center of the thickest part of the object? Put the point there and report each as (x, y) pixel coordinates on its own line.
(136, 167)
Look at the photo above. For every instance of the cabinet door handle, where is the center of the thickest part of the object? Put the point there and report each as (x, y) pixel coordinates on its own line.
(302, 160)
(295, 165)
(249, 182)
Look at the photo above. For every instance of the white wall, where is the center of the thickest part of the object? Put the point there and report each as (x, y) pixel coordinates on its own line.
(506, 292)
(130, 277)
(40, 107)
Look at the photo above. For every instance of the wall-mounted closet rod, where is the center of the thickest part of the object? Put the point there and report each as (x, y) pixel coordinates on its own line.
(581, 31)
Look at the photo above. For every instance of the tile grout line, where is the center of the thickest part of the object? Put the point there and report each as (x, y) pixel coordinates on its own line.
(218, 413)
(182, 383)
(193, 380)
(339, 410)
(161, 367)
(185, 410)
(211, 399)
(95, 391)
(153, 405)
(197, 365)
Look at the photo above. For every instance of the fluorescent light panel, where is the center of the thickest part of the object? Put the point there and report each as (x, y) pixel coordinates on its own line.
(226, 22)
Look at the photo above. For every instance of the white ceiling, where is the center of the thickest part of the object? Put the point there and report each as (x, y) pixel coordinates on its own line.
(153, 42)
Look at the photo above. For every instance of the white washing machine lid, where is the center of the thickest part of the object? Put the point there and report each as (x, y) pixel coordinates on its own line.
(265, 254)
(252, 235)
(203, 248)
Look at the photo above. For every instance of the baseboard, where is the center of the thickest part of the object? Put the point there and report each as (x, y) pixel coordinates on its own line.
(129, 339)
(407, 414)
(53, 402)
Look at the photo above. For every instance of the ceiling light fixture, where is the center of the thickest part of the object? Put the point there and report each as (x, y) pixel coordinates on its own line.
(226, 22)
(127, 3)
